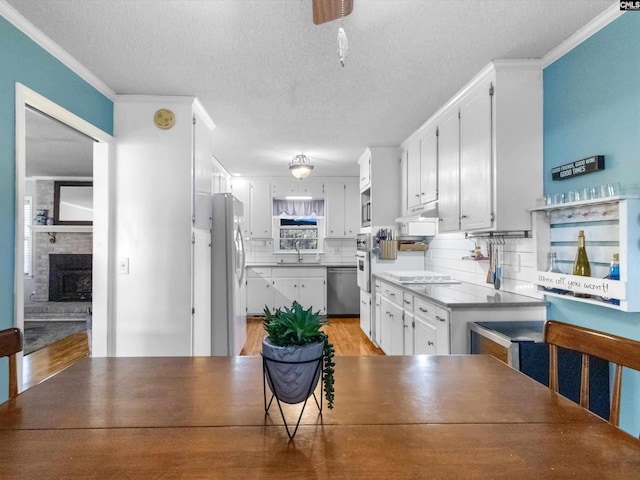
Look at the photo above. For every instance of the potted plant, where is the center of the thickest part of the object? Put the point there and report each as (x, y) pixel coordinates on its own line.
(295, 351)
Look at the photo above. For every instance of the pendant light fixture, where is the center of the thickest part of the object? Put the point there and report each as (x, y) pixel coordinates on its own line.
(300, 166)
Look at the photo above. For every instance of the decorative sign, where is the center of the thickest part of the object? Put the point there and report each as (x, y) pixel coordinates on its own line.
(599, 287)
(579, 167)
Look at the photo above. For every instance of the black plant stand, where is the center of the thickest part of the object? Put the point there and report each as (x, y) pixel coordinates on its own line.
(310, 392)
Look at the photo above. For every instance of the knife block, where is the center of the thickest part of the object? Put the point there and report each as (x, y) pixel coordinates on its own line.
(388, 249)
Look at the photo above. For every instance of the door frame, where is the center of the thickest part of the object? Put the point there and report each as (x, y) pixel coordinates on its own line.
(103, 224)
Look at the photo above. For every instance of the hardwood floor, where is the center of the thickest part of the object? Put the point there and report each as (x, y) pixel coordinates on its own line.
(344, 333)
(43, 363)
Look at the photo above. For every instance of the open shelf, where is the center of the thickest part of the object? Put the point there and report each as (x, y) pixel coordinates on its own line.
(611, 226)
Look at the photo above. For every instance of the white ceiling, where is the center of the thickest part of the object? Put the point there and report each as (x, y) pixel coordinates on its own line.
(271, 79)
(56, 150)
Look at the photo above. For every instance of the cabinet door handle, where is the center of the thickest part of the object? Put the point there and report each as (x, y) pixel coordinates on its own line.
(302, 286)
(423, 310)
(390, 293)
(441, 319)
(417, 195)
(407, 302)
(430, 343)
(462, 217)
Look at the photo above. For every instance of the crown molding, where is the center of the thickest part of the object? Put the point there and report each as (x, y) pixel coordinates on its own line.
(31, 31)
(594, 26)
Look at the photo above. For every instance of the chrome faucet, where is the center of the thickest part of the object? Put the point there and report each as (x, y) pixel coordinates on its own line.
(298, 250)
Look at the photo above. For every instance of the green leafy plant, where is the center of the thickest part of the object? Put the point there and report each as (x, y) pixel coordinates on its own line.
(296, 326)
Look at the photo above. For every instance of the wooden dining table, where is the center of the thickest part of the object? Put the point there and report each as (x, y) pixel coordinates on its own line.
(395, 417)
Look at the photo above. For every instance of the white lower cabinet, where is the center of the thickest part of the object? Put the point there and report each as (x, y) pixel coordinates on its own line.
(409, 324)
(432, 329)
(312, 292)
(259, 290)
(365, 312)
(278, 287)
(424, 337)
(392, 320)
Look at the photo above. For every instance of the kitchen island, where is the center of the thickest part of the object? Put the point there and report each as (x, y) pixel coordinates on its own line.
(434, 318)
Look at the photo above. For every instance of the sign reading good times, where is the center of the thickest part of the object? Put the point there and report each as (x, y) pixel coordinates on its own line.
(579, 167)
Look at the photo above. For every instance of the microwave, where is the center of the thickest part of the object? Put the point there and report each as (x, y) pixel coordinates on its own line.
(366, 214)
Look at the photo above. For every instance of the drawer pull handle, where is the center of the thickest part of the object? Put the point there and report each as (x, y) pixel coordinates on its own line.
(430, 343)
(423, 310)
(440, 318)
(407, 302)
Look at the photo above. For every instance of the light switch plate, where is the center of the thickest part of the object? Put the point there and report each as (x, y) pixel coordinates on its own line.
(123, 266)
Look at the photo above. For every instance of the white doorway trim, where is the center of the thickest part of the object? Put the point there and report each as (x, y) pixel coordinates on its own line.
(103, 235)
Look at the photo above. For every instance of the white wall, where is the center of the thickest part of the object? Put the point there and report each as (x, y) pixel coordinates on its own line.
(153, 227)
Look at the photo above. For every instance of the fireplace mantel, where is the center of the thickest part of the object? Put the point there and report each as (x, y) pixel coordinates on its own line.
(62, 228)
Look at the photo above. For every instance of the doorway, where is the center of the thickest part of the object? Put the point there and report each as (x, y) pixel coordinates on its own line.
(54, 146)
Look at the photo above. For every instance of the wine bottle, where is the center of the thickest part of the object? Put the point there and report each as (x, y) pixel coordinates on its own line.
(553, 268)
(581, 265)
(614, 273)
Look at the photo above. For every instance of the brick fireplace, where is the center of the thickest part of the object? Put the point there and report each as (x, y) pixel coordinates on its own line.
(70, 277)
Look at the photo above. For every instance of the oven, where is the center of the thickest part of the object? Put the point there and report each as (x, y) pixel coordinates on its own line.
(363, 261)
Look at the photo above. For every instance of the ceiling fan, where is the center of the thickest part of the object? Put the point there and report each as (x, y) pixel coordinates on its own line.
(327, 10)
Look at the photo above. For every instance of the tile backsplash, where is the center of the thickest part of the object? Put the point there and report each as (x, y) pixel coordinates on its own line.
(447, 252)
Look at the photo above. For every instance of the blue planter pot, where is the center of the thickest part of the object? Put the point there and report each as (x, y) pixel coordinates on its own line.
(292, 372)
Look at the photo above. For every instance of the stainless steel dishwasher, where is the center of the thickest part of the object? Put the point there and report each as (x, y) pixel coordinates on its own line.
(343, 294)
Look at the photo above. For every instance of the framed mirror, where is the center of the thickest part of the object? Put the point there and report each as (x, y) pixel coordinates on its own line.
(73, 203)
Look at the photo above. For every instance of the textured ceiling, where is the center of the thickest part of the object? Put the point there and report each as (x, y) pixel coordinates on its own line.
(271, 79)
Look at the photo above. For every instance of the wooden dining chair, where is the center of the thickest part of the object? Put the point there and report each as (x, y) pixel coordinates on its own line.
(620, 351)
(10, 345)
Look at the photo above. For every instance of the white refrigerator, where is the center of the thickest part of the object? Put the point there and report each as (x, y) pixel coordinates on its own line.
(228, 296)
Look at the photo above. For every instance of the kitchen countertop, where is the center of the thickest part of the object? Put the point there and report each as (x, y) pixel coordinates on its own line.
(466, 295)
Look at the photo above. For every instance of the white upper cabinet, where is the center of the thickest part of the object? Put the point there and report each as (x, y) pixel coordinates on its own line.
(489, 137)
(261, 210)
(335, 209)
(365, 171)
(429, 166)
(291, 187)
(422, 171)
(341, 210)
(413, 174)
(449, 172)
(476, 205)
(351, 210)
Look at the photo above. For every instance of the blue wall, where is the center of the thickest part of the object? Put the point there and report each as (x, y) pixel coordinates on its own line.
(592, 107)
(22, 60)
